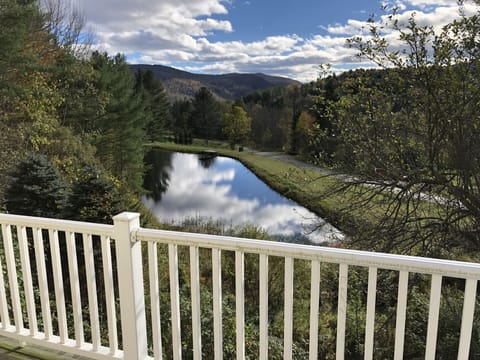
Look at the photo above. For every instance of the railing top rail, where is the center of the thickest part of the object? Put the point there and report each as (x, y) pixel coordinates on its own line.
(449, 268)
(57, 224)
(395, 262)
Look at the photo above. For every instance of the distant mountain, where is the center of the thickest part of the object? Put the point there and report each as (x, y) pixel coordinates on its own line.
(182, 84)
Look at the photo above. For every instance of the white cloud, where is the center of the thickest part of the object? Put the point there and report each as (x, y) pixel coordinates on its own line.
(436, 17)
(184, 31)
(350, 28)
(429, 3)
(146, 25)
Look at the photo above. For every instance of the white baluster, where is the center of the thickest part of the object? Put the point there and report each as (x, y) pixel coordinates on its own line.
(263, 306)
(342, 310)
(401, 315)
(370, 321)
(195, 294)
(314, 302)
(58, 285)
(75, 288)
(12, 276)
(467, 318)
(109, 294)
(288, 310)
(27, 279)
(175, 301)
(217, 303)
(155, 299)
(239, 303)
(42, 282)
(91, 290)
(433, 314)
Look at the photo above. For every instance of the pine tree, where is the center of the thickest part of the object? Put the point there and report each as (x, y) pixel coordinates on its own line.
(121, 133)
(157, 107)
(182, 126)
(206, 115)
(37, 188)
(94, 197)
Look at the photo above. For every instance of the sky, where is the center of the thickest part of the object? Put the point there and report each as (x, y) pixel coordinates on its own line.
(277, 37)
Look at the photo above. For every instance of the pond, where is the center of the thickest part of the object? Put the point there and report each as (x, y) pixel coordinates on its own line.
(182, 186)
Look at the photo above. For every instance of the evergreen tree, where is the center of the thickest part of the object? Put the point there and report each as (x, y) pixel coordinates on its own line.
(295, 98)
(182, 125)
(83, 100)
(94, 197)
(37, 188)
(156, 103)
(121, 134)
(206, 115)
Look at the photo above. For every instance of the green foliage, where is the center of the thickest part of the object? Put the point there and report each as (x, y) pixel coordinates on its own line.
(418, 123)
(94, 197)
(236, 125)
(120, 131)
(206, 115)
(303, 132)
(70, 109)
(37, 188)
(182, 125)
(271, 118)
(83, 101)
(156, 104)
(28, 97)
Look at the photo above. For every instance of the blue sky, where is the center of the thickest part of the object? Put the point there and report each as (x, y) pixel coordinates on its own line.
(287, 38)
(257, 19)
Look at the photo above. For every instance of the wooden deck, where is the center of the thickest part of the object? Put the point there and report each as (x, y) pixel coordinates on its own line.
(11, 350)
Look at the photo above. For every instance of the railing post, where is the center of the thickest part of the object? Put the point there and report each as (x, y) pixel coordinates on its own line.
(130, 283)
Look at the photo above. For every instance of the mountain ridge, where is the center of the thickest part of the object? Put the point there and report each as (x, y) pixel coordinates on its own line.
(182, 84)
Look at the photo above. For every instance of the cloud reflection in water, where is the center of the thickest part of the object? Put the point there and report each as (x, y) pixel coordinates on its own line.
(228, 191)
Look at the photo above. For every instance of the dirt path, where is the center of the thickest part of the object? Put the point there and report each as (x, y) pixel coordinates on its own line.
(290, 159)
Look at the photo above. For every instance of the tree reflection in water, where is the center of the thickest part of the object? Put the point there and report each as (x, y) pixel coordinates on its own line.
(157, 176)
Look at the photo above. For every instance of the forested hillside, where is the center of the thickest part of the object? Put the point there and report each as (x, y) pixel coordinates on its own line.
(182, 84)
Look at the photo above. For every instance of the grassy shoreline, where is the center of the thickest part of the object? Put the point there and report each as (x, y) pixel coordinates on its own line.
(306, 187)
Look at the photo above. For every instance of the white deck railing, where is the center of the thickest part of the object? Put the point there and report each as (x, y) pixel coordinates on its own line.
(72, 297)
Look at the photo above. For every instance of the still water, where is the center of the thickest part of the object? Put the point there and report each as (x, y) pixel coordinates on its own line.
(220, 188)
